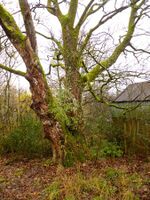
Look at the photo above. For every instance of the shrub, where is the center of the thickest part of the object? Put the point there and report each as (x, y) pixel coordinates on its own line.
(110, 149)
(26, 139)
(105, 149)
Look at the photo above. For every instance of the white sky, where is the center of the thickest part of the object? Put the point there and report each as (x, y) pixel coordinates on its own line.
(117, 28)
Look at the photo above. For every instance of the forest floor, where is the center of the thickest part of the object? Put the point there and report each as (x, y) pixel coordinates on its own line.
(106, 179)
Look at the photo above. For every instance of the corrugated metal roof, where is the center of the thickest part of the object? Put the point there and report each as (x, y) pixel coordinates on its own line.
(137, 92)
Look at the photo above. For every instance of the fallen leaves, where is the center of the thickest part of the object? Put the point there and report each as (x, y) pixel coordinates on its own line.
(25, 179)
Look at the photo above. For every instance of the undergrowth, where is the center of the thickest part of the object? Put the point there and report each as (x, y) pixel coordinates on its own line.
(113, 184)
(26, 139)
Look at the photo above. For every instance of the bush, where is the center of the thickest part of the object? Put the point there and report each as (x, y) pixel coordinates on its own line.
(110, 149)
(106, 149)
(26, 139)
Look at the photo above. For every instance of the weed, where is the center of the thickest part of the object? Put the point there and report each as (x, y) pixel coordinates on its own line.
(37, 182)
(70, 197)
(3, 179)
(112, 174)
(110, 149)
(19, 172)
(113, 184)
(47, 162)
(128, 195)
(52, 191)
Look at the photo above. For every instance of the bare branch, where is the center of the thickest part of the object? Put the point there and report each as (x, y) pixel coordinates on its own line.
(119, 49)
(53, 8)
(72, 11)
(57, 42)
(139, 50)
(84, 15)
(103, 20)
(27, 17)
(14, 71)
(89, 10)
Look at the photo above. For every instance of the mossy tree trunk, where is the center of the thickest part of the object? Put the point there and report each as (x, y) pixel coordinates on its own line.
(73, 80)
(73, 48)
(42, 103)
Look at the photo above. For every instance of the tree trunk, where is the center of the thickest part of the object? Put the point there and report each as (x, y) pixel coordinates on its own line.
(73, 82)
(52, 130)
(74, 86)
(42, 102)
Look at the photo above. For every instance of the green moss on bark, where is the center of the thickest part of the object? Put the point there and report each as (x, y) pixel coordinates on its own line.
(9, 25)
(91, 76)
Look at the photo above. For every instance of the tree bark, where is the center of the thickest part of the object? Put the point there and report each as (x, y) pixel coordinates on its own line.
(75, 88)
(42, 102)
(52, 128)
(73, 81)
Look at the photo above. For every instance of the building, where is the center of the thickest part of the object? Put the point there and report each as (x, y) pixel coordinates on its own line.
(136, 92)
(134, 117)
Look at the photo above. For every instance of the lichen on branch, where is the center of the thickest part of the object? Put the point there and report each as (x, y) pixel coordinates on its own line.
(104, 64)
(11, 70)
(10, 27)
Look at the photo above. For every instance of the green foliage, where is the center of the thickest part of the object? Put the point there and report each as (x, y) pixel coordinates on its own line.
(60, 108)
(114, 132)
(52, 191)
(112, 173)
(98, 128)
(76, 150)
(105, 149)
(110, 149)
(64, 108)
(26, 139)
(103, 139)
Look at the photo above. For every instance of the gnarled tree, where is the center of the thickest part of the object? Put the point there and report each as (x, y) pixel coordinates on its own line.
(72, 49)
(41, 94)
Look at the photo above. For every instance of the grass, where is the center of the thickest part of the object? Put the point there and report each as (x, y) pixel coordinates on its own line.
(19, 172)
(113, 184)
(52, 191)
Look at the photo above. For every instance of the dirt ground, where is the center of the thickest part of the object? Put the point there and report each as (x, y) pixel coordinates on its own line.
(25, 179)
